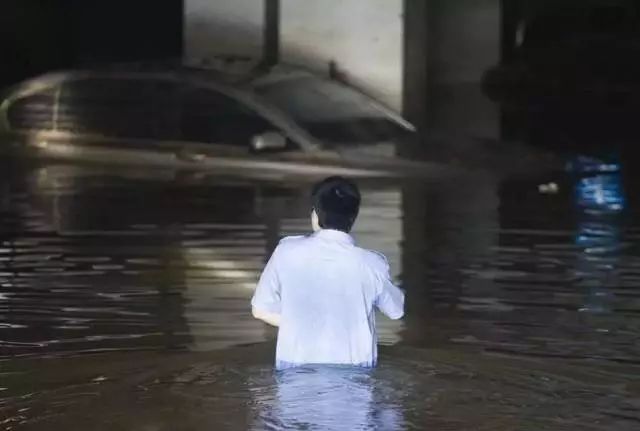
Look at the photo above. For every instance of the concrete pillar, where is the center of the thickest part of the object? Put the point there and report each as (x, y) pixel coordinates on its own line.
(271, 44)
(464, 41)
(416, 62)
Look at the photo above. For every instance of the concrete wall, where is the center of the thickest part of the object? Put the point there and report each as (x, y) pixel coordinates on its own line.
(364, 38)
(449, 44)
(213, 27)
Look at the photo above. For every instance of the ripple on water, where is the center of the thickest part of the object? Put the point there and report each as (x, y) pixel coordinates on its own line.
(122, 262)
(412, 389)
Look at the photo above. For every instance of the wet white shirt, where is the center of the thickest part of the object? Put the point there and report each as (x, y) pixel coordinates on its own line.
(325, 290)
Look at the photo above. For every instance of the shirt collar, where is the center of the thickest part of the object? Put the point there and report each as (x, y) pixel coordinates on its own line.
(335, 235)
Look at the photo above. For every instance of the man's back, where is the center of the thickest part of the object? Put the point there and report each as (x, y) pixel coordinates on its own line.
(325, 289)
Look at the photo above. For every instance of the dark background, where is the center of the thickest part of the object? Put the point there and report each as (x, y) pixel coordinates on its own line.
(571, 81)
(37, 36)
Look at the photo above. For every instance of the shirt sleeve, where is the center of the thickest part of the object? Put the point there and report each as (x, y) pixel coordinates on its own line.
(390, 299)
(267, 295)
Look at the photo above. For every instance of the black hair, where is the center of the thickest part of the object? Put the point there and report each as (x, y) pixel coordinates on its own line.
(337, 202)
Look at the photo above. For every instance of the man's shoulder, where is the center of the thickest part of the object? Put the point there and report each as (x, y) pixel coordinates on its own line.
(292, 247)
(374, 259)
(293, 241)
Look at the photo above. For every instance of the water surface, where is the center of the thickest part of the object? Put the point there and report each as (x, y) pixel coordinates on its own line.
(124, 304)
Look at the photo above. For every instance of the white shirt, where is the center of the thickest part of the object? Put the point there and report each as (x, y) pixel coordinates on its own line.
(325, 289)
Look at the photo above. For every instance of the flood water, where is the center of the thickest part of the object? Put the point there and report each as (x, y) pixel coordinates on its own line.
(124, 304)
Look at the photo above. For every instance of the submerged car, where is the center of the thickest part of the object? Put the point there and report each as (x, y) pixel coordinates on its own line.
(282, 120)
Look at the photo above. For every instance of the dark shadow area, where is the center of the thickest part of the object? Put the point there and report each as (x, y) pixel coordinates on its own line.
(40, 36)
(569, 80)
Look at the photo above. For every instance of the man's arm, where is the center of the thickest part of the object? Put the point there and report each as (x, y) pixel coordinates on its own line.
(270, 318)
(265, 304)
(390, 299)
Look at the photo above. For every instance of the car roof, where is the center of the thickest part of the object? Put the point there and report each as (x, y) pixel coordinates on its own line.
(235, 76)
(232, 83)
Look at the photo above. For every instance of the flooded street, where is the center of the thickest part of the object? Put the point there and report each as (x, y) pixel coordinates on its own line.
(124, 304)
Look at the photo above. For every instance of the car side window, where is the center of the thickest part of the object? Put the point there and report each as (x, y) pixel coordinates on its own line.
(115, 107)
(212, 117)
(33, 112)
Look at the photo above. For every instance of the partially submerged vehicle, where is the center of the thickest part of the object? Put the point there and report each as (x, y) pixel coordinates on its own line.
(281, 120)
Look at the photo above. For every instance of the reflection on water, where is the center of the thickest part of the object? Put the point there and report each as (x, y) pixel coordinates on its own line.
(327, 398)
(515, 300)
(600, 201)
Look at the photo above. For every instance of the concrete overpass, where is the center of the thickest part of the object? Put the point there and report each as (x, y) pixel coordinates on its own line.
(424, 58)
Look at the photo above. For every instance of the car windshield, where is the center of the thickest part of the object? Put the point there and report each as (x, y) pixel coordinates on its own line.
(330, 112)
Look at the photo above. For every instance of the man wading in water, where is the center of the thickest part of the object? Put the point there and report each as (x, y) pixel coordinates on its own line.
(321, 290)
